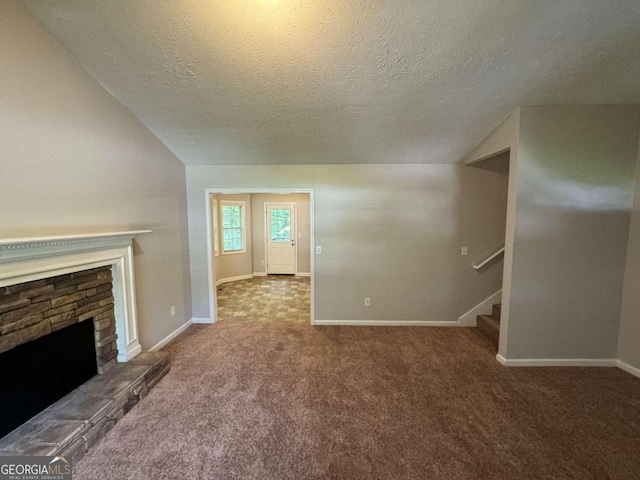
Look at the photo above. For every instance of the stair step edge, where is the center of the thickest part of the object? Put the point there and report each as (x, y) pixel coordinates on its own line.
(490, 320)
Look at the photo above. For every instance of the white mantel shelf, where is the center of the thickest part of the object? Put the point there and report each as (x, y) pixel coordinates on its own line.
(13, 249)
(28, 259)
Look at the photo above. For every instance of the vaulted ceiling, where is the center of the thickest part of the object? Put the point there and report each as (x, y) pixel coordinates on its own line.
(345, 81)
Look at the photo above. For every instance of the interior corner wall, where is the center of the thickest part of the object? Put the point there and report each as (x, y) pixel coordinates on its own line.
(574, 195)
(629, 337)
(301, 200)
(74, 160)
(389, 232)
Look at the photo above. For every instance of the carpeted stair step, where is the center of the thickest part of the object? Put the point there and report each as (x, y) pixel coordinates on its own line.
(489, 327)
(497, 310)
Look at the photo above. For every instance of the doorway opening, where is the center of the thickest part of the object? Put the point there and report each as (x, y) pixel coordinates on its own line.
(488, 314)
(260, 260)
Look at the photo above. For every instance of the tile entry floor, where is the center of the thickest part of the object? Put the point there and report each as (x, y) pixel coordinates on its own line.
(270, 298)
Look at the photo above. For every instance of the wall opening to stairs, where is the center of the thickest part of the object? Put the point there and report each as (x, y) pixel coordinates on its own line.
(488, 313)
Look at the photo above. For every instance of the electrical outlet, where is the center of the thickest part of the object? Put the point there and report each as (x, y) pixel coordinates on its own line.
(318, 250)
(173, 310)
(464, 251)
(299, 235)
(367, 302)
(262, 262)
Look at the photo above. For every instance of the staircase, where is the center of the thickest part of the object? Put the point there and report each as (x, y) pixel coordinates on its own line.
(488, 326)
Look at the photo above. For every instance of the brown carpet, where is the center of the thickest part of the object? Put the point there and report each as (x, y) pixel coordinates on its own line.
(284, 400)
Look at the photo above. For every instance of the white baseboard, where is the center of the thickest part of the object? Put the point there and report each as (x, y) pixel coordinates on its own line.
(557, 362)
(171, 336)
(569, 362)
(388, 323)
(468, 319)
(251, 275)
(202, 320)
(234, 279)
(628, 368)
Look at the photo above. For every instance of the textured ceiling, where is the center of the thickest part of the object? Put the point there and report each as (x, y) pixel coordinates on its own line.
(345, 81)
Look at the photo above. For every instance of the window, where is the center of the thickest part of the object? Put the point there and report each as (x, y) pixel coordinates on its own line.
(280, 225)
(214, 222)
(233, 222)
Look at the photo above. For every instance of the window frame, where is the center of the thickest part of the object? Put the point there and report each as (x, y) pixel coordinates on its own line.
(243, 225)
(216, 230)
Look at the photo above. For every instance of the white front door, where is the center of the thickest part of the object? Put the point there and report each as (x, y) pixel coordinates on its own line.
(281, 239)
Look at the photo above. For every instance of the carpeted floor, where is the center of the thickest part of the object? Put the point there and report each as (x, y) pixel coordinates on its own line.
(281, 399)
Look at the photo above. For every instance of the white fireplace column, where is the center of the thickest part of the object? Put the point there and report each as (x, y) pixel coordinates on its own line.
(27, 259)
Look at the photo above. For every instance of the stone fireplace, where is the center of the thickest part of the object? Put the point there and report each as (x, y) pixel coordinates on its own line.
(68, 338)
(39, 366)
(33, 309)
(37, 262)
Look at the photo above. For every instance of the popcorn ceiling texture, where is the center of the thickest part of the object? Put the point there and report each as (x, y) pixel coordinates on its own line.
(354, 81)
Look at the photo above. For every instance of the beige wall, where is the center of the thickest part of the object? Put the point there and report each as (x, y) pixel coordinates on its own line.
(259, 236)
(502, 139)
(574, 192)
(629, 337)
(235, 264)
(74, 160)
(389, 232)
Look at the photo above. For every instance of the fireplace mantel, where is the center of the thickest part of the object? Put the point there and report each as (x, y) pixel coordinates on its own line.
(13, 249)
(26, 259)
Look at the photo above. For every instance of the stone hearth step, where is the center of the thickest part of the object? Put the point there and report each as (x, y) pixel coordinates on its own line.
(77, 421)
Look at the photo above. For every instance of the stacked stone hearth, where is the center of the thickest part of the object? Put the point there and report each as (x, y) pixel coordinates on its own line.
(34, 309)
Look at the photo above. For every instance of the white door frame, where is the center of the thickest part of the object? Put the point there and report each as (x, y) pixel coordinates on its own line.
(295, 237)
(256, 190)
